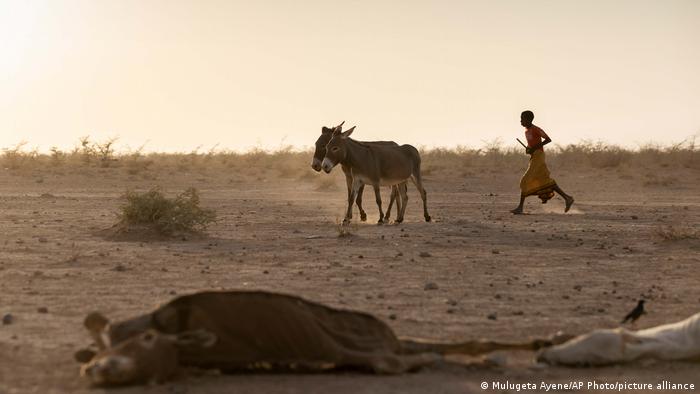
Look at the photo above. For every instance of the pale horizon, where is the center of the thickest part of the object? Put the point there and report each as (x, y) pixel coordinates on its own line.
(174, 76)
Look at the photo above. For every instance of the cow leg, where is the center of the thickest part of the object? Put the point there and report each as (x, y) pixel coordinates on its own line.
(415, 361)
(95, 323)
(391, 363)
(358, 201)
(478, 347)
(416, 178)
(378, 197)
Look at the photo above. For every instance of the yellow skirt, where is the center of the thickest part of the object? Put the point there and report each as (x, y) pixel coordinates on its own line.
(536, 180)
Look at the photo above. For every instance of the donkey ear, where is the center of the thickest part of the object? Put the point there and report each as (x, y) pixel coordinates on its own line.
(339, 127)
(196, 338)
(349, 131)
(325, 130)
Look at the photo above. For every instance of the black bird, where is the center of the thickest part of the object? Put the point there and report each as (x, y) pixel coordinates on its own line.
(635, 314)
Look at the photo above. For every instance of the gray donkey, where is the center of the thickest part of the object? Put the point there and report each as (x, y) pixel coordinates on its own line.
(320, 153)
(377, 165)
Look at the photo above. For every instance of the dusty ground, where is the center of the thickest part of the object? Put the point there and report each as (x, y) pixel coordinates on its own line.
(536, 273)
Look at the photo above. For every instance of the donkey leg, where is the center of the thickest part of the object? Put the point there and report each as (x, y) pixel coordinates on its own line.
(416, 178)
(403, 195)
(378, 197)
(399, 201)
(358, 201)
(351, 197)
(356, 185)
(391, 203)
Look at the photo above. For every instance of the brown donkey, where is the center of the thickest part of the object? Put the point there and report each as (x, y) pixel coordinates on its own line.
(377, 165)
(320, 153)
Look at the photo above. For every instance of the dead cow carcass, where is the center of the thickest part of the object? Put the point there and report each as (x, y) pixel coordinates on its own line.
(676, 341)
(248, 330)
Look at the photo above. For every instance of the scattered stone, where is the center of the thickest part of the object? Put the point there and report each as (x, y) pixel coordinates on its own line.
(430, 286)
(451, 302)
(119, 268)
(496, 251)
(635, 217)
(392, 316)
(43, 240)
(425, 254)
(496, 359)
(492, 316)
(8, 318)
(42, 309)
(451, 311)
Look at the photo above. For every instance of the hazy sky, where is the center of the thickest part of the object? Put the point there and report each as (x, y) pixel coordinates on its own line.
(180, 74)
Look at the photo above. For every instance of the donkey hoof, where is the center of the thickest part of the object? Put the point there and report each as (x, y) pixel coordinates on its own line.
(363, 216)
(380, 222)
(398, 221)
(428, 218)
(346, 221)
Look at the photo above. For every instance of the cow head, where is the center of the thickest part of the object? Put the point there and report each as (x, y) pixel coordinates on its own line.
(145, 356)
(336, 150)
(321, 142)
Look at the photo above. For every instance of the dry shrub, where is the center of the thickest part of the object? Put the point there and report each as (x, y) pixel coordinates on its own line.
(663, 181)
(58, 157)
(289, 163)
(99, 152)
(677, 233)
(15, 158)
(462, 160)
(165, 215)
(593, 154)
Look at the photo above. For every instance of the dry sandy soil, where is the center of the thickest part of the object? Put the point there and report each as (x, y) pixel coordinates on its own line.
(532, 274)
